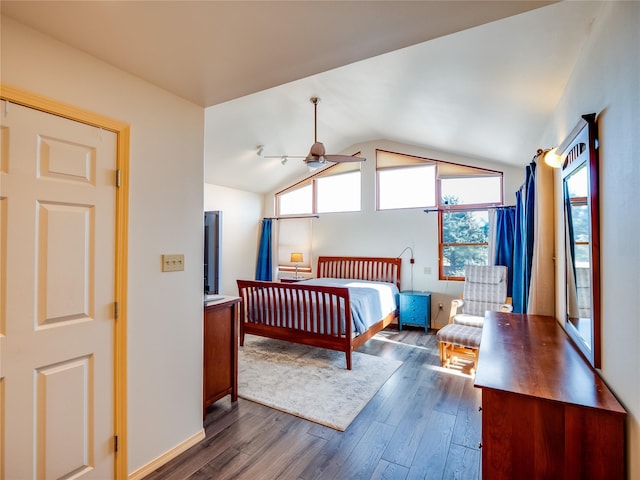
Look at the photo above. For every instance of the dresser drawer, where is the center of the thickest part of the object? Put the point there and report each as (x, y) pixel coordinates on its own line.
(415, 309)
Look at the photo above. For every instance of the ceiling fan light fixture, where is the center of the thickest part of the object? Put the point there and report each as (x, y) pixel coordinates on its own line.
(315, 162)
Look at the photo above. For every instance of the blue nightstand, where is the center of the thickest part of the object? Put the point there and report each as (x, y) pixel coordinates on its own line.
(415, 309)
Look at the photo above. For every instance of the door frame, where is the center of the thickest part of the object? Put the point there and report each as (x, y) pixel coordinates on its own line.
(122, 130)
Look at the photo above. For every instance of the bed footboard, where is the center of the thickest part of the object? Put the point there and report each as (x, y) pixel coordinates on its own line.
(308, 314)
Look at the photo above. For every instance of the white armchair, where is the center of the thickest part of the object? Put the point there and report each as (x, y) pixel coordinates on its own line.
(485, 288)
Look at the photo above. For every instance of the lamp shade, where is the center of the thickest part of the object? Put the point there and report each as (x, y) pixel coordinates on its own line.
(552, 159)
(296, 257)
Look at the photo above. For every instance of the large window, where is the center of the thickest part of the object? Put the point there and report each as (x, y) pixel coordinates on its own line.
(462, 196)
(464, 206)
(334, 189)
(298, 201)
(472, 190)
(407, 187)
(294, 236)
(338, 193)
(465, 241)
(404, 181)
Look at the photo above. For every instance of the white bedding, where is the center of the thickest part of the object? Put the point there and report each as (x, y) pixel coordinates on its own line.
(370, 301)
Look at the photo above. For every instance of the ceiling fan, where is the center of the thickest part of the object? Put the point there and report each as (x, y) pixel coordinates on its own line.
(317, 156)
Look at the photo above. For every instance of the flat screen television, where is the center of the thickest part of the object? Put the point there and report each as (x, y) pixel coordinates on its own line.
(212, 227)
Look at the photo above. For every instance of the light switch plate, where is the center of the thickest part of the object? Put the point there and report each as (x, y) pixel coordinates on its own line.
(173, 263)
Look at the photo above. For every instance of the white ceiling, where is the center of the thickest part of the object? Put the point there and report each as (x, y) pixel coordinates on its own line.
(390, 70)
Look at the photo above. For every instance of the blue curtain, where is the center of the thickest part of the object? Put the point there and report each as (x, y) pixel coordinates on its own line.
(523, 240)
(517, 255)
(263, 269)
(505, 231)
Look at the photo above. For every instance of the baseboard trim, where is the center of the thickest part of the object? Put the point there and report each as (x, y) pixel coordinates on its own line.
(167, 456)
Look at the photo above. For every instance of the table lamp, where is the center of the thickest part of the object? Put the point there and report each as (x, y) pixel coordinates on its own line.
(296, 258)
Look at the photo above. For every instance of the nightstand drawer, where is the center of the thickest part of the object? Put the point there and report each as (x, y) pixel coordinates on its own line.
(415, 309)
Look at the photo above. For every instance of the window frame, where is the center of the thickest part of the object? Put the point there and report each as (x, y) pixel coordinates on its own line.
(397, 161)
(302, 226)
(442, 244)
(316, 191)
(463, 208)
(329, 171)
(444, 170)
(427, 164)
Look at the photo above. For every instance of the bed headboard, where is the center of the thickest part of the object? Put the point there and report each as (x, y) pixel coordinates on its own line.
(377, 269)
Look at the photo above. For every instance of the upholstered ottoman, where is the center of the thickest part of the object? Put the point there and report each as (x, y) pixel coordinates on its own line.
(459, 341)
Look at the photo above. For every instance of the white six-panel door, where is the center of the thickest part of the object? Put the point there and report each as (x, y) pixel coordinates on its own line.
(57, 274)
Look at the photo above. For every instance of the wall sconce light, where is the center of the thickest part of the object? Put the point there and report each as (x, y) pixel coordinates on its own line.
(284, 160)
(296, 258)
(552, 159)
(259, 150)
(411, 262)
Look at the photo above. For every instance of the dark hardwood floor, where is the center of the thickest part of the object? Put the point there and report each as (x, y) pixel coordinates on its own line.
(423, 423)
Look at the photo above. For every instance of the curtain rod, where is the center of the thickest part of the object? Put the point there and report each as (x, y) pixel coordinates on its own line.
(285, 218)
(472, 209)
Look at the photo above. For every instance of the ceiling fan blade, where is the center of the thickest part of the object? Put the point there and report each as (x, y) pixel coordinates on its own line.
(344, 158)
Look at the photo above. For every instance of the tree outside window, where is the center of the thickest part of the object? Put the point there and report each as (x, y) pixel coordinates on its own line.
(465, 240)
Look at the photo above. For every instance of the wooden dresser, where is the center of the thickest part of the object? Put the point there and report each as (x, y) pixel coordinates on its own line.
(221, 332)
(545, 411)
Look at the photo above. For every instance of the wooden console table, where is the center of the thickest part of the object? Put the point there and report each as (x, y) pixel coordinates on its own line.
(546, 413)
(221, 336)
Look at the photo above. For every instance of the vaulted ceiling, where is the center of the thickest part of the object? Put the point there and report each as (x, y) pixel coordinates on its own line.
(477, 78)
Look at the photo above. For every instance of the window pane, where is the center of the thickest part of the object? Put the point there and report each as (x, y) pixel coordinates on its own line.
(294, 235)
(583, 255)
(581, 222)
(465, 227)
(462, 229)
(456, 257)
(470, 190)
(296, 202)
(338, 193)
(407, 187)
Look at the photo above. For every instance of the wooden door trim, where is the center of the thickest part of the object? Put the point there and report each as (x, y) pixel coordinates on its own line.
(122, 130)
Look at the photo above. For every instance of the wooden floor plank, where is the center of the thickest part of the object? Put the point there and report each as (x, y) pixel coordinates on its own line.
(423, 423)
(284, 455)
(230, 460)
(404, 446)
(431, 456)
(206, 451)
(468, 429)
(365, 457)
(462, 463)
(389, 471)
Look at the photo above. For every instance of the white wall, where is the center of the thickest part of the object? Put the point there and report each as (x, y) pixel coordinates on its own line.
(387, 233)
(241, 219)
(166, 198)
(606, 80)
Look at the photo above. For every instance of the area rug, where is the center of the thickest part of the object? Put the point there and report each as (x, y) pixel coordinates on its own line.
(311, 383)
